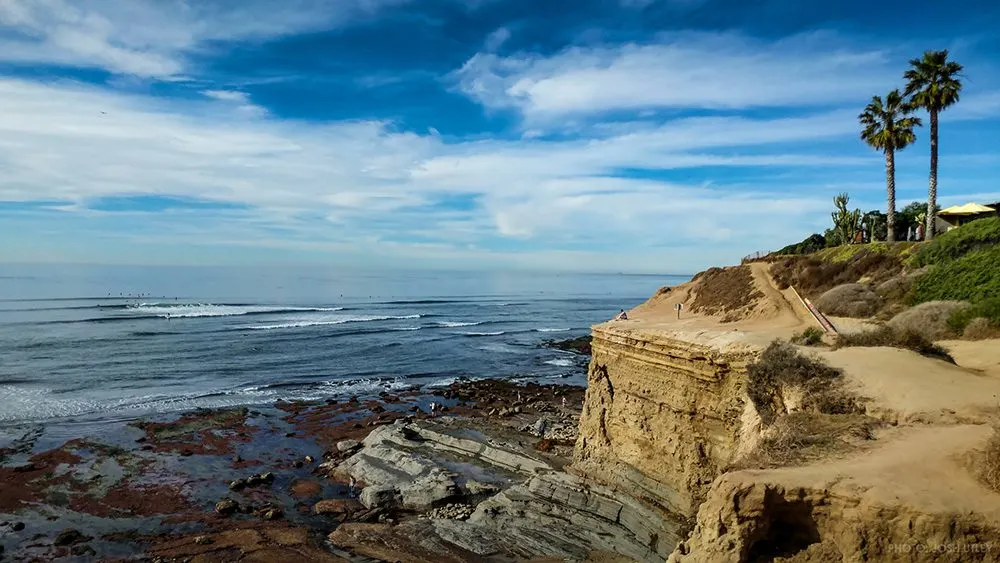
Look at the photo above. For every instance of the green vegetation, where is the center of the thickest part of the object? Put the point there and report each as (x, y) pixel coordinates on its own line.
(957, 243)
(888, 128)
(811, 336)
(988, 309)
(932, 83)
(892, 338)
(846, 223)
(812, 243)
(972, 278)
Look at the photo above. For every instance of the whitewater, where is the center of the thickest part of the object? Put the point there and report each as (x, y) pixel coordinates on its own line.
(72, 354)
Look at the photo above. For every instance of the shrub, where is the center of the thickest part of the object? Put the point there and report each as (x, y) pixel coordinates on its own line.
(980, 329)
(973, 277)
(725, 291)
(958, 242)
(987, 309)
(932, 320)
(813, 275)
(849, 300)
(811, 244)
(896, 289)
(989, 471)
(801, 436)
(781, 366)
(811, 336)
(889, 337)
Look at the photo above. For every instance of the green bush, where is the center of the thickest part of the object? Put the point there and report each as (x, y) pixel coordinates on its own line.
(811, 336)
(958, 242)
(973, 277)
(988, 309)
(811, 244)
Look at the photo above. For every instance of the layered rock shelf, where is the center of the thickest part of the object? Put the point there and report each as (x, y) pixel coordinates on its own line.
(662, 414)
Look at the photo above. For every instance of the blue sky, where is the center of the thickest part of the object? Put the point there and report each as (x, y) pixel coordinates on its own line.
(593, 135)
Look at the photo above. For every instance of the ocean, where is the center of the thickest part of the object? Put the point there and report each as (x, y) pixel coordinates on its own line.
(93, 343)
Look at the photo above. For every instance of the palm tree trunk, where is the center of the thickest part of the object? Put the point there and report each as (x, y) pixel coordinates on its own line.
(890, 189)
(932, 189)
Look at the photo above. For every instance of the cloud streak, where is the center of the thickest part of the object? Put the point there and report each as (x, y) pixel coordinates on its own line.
(156, 38)
(680, 70)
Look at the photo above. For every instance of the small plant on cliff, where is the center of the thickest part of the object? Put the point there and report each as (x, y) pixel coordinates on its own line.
(780, 367)
(811, 336)
(889, 337)
(985, 313)
(990, 468)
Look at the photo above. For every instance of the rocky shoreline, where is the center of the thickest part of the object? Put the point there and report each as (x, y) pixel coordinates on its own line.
(382, 477)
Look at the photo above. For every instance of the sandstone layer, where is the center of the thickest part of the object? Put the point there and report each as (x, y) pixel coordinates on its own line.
(667, 421)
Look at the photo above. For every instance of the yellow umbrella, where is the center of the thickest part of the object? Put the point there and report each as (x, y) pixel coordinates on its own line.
(967, 209)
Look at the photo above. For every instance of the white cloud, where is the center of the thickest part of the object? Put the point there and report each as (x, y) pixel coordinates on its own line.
(681, 70)
(154, 38)
(338, 181)
(496, 39)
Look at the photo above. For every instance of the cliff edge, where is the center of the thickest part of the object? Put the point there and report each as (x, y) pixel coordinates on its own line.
(667, 420)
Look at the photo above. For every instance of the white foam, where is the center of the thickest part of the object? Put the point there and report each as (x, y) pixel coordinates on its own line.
(497, 333)
(210, 310)
(325, 322)
(455, 324)
(552, 329)
(561, 363)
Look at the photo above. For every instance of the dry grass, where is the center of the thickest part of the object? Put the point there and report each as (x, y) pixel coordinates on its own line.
(849, 300)
(725, 291)
(980, 329)
(812, 276)
(929, 320)
(803, 436)
(989, 467)
(887, 336)
(827, 419)
(781, 367)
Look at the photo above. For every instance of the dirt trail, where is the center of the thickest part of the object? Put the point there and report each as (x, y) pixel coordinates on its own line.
(776, 314)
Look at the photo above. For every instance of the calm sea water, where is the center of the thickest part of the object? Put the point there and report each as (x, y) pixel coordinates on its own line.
(93, 343)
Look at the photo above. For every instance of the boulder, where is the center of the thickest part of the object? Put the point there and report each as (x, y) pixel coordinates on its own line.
(395, 477)
(70, 537)
(348, 445)
(337, 506)
(226, 506)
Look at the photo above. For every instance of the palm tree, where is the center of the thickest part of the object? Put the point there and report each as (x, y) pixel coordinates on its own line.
(933, 84)
(887, 127)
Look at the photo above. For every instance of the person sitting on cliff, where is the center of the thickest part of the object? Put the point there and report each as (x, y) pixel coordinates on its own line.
(622, 316)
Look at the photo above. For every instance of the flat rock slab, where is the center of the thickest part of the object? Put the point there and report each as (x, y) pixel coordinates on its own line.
(412, 542)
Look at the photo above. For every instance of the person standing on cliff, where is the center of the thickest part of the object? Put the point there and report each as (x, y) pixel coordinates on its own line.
(622, 316)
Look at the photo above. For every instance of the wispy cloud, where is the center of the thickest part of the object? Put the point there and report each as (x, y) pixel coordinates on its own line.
(81, 143)
(155, 38)
(681, 70)
(496, 39)
(684, 148)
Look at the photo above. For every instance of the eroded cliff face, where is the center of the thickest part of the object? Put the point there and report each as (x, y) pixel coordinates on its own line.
(900, 501)
(666, 419)
(662, 414)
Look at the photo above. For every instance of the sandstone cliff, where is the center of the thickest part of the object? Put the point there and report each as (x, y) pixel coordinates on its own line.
(666, 420)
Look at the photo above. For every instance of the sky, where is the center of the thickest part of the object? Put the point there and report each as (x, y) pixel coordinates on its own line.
(573, 135)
